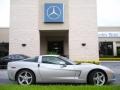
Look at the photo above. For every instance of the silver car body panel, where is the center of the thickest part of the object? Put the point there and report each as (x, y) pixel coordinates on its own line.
(46, 73)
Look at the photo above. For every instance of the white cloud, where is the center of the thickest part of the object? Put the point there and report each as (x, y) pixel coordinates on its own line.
(4, 13)
(108, 12)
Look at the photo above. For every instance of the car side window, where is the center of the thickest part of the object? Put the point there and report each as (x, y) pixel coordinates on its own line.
(51, 60)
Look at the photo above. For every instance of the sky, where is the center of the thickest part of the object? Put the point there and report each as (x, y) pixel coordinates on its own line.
(4, 13)
(108, 13)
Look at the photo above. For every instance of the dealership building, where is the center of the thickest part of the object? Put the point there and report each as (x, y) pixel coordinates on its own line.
(64, 27)
(109, 41)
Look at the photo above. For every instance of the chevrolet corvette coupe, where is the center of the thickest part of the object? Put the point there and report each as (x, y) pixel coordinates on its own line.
(57, 69)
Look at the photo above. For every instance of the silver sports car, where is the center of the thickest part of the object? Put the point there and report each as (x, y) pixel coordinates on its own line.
(57, 69)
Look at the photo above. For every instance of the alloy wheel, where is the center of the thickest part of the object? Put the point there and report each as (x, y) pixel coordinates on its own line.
(99, 78)
(25, 78)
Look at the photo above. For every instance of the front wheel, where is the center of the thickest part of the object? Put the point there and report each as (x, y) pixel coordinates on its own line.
(97, 78)
(25, 77)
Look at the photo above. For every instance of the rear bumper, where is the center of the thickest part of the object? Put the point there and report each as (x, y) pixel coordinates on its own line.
(11, 75)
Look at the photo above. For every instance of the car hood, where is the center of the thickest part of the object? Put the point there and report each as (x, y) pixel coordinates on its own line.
(90, 66)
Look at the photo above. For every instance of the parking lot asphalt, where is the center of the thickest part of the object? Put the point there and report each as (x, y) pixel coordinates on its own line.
(4, 77)
(115, 66)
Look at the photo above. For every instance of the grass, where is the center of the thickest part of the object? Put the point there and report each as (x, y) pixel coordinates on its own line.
(110, 59)
(58, 87)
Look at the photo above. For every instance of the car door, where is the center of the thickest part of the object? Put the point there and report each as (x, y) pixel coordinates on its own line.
(51, 70)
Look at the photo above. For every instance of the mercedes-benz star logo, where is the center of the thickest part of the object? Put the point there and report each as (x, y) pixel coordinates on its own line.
(53, 12)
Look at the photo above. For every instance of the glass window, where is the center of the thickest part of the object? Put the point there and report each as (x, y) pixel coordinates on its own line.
(54, 60)
(67, 60)
(35, 59)
(106, 48)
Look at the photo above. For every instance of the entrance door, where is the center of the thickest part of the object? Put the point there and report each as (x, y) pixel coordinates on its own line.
(118, 51)
(55, 47)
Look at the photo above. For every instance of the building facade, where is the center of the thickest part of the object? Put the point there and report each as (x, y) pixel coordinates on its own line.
(4, 41)
(4, 35)
(65, 27)
(109, 41)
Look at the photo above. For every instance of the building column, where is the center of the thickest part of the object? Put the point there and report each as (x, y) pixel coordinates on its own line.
(24, 28)
(114, 48)
(83, 30)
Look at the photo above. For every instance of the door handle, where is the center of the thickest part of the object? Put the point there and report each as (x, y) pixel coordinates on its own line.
(38, 65)
(62, 66)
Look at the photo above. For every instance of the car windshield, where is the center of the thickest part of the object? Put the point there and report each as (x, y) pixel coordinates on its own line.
(68, 60)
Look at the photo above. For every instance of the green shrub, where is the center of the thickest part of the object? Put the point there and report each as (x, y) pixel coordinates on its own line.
(109, 59)
(89, 61)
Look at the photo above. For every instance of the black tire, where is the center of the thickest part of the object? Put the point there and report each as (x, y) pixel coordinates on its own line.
(93, 80)
(30, 73)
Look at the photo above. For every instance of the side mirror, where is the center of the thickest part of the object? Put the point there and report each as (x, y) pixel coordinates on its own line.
(63, 64)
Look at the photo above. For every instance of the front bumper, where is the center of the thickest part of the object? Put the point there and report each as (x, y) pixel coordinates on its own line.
(111, 78)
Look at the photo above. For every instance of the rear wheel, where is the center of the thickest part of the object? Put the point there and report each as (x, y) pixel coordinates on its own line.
(25, 77)
(97, 78)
